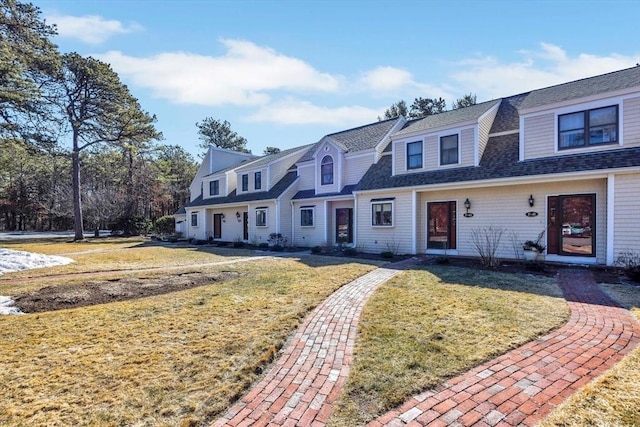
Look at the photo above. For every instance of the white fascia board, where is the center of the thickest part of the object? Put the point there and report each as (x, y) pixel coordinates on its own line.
(435, 130)
(387, 137)
(321, 199)
(490, 110)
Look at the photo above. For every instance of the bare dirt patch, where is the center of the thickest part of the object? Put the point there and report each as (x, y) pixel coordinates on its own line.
(52, 298)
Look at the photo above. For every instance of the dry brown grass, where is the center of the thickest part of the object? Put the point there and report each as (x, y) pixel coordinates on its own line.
(430, 324)
(172, 359)
(614, 398)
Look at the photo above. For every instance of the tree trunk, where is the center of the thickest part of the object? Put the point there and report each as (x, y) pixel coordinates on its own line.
(77, 203)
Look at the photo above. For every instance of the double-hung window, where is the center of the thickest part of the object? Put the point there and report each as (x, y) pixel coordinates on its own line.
(414, 155)
(326, 170)
(449, 150)
(245, 182)
(382, 213)
(257, 181)
(261, 217)
(589, 127)
(214, 188)
(306, 216)
(194, 219)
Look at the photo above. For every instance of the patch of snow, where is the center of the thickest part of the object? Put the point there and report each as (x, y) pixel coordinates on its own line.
(26, 235)
(11, 260)
(6, 306)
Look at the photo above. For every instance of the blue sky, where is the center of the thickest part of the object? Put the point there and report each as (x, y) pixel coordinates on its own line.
(287, 73)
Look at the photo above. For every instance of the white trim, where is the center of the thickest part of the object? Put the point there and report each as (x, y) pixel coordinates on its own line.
(266, 216)
(414, 222)
(476, 145)
(521, 139)
(354, 234)
(587, 148)
(586, 260)
(361, 153)
(611, 201)
(505, 133)
(450, 128)
(326, 222)
(621, 94)
(406, 155)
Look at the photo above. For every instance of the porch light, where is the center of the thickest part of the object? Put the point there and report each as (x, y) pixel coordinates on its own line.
(238, 216)
(532, 201)
(467, 206)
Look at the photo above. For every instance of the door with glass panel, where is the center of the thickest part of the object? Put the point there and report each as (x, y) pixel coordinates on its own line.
(441, 225)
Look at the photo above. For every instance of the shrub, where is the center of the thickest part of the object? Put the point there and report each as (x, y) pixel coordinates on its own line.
(132, 226)
(277, 239)
(238, 244)
(349, 251)
(486, 241)
(629, 262)
(263, 245)
(386, 254)
(165, 224)
(316, 250)
(277, 248)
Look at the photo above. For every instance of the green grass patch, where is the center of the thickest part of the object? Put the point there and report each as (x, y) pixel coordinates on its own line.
(430, 324)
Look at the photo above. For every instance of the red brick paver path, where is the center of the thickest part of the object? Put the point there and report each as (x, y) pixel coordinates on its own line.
(306, 380)
(522, 386)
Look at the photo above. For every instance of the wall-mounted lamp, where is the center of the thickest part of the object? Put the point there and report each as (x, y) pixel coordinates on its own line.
(222, 216)
(467, 206)
(238, 216)
(532, 201)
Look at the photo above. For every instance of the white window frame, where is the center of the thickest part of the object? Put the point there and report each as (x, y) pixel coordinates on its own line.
(256, 180)
(264, 211)
(313, 216)
(194, 215)
(406, 151)
(211, 187)
(242, 186)
(445, 135)
(382, 202)
(333, 178)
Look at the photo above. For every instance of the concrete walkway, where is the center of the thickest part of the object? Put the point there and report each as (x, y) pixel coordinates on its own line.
(522, 386)
(516, 389)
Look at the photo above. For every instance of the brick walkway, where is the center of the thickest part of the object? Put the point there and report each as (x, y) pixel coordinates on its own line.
(306, 380)
(522, 386)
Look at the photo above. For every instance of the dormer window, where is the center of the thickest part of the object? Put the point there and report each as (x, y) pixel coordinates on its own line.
(245, 182)
(590, 127)
(214, 188)
(326, 170)
(257, 184)
(449, 150)
(414, 155)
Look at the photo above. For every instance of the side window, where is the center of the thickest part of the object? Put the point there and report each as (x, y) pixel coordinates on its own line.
(194, 219)
(245, 182)
(261, 217)
(382, 214)
(326, 170)
(414, 155)
(449, 150)
(306, 216)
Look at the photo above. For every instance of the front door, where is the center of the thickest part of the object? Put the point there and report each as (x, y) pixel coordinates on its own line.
(245, 225)
(344, 225)
(217, 226)
(571, 221)
(441, 230)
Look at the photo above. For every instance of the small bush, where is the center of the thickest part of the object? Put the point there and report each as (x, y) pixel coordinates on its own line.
(443, 260)
(238, 244)
(316, 250)
(386, 254)
(277, 248)
(263, 245)
(629, 262)
(199, 242)
(349, 251)
(165, 224)
(277, 239)
(486, 241)
(223, 244)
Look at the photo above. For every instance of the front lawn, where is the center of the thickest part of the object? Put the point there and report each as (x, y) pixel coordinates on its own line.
(433, 323)
(174, 359)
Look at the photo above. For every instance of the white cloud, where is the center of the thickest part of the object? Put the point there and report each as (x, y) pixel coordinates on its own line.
(399, 83)
(91, 29)
(245, 75)
(550, 65)
(298, 112)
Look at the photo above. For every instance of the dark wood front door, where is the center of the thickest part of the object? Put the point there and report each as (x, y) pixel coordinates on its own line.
(344, 225)
(217, 226)
(441, 229)
(571, 225)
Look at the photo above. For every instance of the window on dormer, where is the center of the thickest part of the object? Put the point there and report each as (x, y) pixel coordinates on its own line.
(245, 182)
(214, 188)
(449, 150)
(257, 183)
(590, 127)
(414, 155)
(326, 170)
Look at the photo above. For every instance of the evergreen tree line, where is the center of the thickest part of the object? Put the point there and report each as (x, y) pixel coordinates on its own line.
(76, 146)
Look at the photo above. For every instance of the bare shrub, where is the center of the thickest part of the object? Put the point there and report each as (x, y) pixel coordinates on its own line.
(486, 241)
(516, 246)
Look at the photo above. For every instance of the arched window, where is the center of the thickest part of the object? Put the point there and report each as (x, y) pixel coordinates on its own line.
(326, 170)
